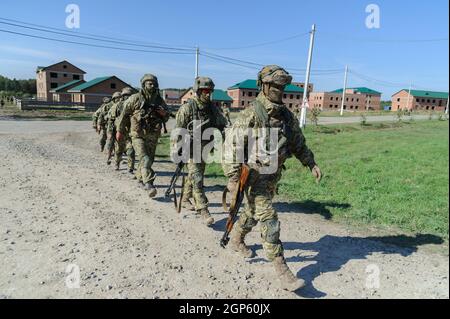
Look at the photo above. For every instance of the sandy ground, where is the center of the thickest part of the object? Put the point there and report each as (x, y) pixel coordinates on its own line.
(61, 205)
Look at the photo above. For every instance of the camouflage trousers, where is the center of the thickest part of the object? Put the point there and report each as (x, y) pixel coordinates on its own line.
(193, 185)
(125, 146)
(103, 137)
(145, 149)
(259, 209)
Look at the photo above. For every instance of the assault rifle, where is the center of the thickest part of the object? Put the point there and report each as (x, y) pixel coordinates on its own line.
(172, 185)
(236, 202)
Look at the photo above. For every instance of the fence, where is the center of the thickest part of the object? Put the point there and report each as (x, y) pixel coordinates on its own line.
(26, 105)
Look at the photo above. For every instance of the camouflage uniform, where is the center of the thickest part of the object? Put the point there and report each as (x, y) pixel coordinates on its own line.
(210, 115)
(100, 122)
(226, 114)
(146, 112)
(124, 145)
(262, 113)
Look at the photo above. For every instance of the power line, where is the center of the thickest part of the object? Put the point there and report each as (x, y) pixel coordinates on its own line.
(129, 42)
(261, 44)
(95, 38)
(91, 45)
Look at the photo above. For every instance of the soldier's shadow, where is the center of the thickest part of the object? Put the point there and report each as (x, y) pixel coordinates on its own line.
(331, 253)
(310, 207)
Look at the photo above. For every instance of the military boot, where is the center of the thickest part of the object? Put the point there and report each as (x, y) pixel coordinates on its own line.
(288, 280)
(186, 204)
(151, 190)
(102, 147)
(117, 166)
(238, 245)
(206, 216)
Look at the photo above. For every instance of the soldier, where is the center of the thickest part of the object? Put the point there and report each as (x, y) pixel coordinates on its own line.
(226, 113)
(110, 126)
(124, 145)
(200, 108)
(147, 113)
(268, 111)
(98, 128)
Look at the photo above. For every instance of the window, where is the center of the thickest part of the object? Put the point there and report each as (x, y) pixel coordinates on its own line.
(243, 93)
(356, 107)
(351, 107)
(76, 76)
(331, 98)
(353, 99)
(53, 85)
(398, 100)
(243, 103)
(250, 94)
(290, 105)
(65, 75)
(113, 85)
(417, 100)
(428, 107)
(434, 101)
(64, 66)
(298, 97)
(357, 100)
(284, 96)
(336, 106)
(347, 99)
(292, 96)
(432, 108)
(53, 75)
(428, 101)
(423, 100)
(331, 106)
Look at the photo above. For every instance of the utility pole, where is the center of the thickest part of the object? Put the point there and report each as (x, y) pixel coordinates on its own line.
(197, 53)
(344, 89)
(308, 73)
(446, 109)
(409, 94)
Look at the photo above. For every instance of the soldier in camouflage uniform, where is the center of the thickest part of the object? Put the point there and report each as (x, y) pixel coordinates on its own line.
(110, 126)
(226, 113)
(146, 112)
(124, 145)
(200, 108)
(98, 128)
(268, 111)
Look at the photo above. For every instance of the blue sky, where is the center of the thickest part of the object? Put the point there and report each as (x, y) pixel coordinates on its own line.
(396, 52)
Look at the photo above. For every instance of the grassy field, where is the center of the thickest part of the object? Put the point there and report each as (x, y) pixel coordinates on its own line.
(382, 175)
(12, 112)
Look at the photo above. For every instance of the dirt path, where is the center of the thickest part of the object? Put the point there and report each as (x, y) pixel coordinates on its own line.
(60, 204)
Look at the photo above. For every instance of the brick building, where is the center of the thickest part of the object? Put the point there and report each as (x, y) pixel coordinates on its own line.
(355, 99)
(245, 92)
(419, 100)
(172, 96)
(94, 91)
(60, 94)
(218, 97)
(54, 76)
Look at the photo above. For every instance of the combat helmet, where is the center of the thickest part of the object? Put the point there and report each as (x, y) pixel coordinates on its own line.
(203, 83)
(117, 95)
(273, 74)
(127, 91)
(149, 77)
(106, 99)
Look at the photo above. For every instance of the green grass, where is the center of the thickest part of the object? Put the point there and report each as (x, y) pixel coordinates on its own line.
(384, 175)
(50, 115)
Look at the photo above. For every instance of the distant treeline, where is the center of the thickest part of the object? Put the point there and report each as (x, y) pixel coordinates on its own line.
(19, 88)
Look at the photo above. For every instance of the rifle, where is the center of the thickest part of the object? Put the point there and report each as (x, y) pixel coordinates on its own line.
(236, 202)
(172, 185)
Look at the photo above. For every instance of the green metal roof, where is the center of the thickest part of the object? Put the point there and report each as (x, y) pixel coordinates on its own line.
(65, 86)
(251, 85)
(89, 84)
(362, 90)
(431, 94)
(220, 95)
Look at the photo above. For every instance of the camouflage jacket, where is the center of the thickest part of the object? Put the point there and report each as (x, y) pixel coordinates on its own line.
(262, 114)
(102, 114)
(195, 110)
(142, 116)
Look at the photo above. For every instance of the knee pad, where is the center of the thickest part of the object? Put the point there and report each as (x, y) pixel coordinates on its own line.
(247, 223)
(270, 231)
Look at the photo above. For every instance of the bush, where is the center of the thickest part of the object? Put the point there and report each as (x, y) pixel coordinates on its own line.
(314, 117)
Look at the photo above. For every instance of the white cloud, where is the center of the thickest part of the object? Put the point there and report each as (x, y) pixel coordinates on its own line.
(27, 52)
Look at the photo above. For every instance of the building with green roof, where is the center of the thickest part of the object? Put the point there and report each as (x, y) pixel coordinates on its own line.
(60, 94)
(93, 92)
(218, 97)
(406, 99)
(245, 92)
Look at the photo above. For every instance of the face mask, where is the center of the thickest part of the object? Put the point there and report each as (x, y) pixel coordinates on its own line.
(274, 93)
